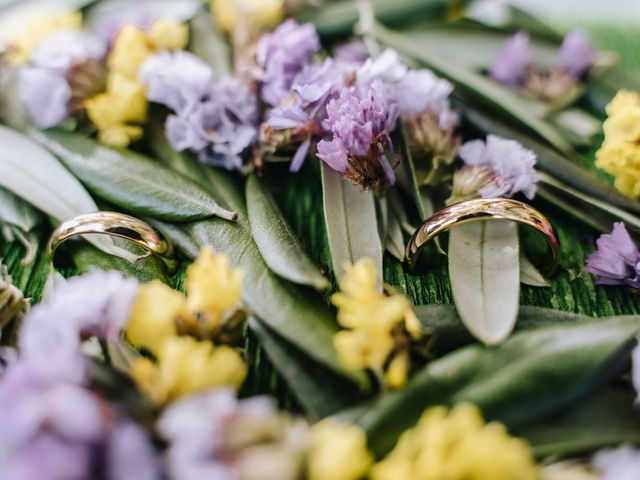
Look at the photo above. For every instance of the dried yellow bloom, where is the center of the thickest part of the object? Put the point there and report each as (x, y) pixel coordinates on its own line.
(130, 49)
(254, 14)
(152, 319)
(118, 112)
(214, 287)
(620, 151)
(374, 323)
(168, 35)
(22, 42)
(187, 366)
(457, 445)
(337, 452)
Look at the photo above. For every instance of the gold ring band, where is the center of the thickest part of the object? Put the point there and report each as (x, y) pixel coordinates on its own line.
(113, 224)
(479, 210)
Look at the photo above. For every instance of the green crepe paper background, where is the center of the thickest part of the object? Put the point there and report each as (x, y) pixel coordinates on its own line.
(301, 201)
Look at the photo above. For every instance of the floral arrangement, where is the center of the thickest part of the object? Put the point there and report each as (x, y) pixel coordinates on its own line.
(203, 334)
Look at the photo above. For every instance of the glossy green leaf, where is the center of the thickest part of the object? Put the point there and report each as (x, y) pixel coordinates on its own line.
(529, 274)
(210, 45)
(319, 391)
(484, 268)
(351, 222)
(477, 87)
(533, 374)
(608, 418)
(132, 181)
(278, 244)
(176, 235)
(17, 212)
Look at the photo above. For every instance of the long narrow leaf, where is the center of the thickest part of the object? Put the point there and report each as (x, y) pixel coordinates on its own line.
(350, 218)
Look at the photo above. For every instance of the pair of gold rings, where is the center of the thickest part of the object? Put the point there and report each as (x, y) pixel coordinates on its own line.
(143, 235)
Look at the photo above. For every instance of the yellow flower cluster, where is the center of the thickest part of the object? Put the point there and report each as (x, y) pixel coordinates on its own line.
(620, 152)
(337, 452)
(21, 43)
(378, 326)
(118, 112)
(457, 445)
(254, 14)
(159, 318)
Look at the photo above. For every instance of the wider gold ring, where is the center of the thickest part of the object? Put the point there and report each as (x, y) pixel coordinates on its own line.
(480, 210)
(113, 224)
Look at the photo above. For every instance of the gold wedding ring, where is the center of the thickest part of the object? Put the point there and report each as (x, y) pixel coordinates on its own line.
(480, 210)
(112, 224)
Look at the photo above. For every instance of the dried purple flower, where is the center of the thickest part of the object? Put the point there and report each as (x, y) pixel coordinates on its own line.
(350, 56)
(421, 91)
(65, 48)
(45, 94)
(512, 62)
(360, 121)
(298, 119)
(214, 435)
(511, 164)
(282, 54)
(617, 259)
(176, 79)
(220, 128)
(576, 54)
(386, 67)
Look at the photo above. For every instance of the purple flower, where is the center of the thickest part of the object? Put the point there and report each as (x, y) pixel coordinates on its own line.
(512, 62)
(220, 128)
(622, 463)
(282, 54)
(301, 113)
(387, 67)
(65, 48)
(350, 56)
(420, 91)
(576, 54)
(512, 166)
(215, 435)
(360, 122)
(129, 453)
(176, 80)
(616, 260)
(45, 94)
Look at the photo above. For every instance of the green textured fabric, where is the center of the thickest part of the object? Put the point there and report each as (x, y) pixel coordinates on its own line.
(300, 199)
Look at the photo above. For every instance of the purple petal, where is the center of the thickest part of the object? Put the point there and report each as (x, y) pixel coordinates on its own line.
(300, 156)
(46, 95)
(333, 154)
(511, 64)
(576, 54)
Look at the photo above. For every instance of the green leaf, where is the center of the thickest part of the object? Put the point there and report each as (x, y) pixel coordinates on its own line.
(17, 212)
(176, 235)
(351, 222)
(606, 419)
(319, 391)
(278, 244)
(132, 181)
(338, 18)
(534, 373)
(210, 45)
(294, 313)
(477, 87)
(530, 275)
(484, 268)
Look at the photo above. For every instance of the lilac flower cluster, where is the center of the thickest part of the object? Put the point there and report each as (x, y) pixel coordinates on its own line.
(52, 425)
(216, 120)
(616, 260)
(514, 65)
(508, 167)
(43, 85)
(349, 105)
(214, 435)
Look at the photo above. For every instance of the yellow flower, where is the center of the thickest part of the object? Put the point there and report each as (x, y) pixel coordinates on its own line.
(186, 366)
(214, 288)
(254, 14)
(337, 452)
(457, 445)
(620, 151)
(21, 43)
(118, 112)
(130, 49)
(374, 322)
(152, 319)
(168, 35)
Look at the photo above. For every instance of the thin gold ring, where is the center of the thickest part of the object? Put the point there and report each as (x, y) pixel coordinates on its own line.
(113, 224)
(482, 209)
